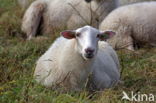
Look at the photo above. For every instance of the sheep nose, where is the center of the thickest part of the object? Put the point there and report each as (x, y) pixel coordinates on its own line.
(89, 51)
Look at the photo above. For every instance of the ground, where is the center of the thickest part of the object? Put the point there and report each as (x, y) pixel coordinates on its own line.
(18, 57)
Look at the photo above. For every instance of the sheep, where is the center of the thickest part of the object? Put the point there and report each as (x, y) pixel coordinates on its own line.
(134, 24)
(49, 16)
(75, 55)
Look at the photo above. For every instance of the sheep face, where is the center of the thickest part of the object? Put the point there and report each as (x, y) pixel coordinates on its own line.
(87, 39)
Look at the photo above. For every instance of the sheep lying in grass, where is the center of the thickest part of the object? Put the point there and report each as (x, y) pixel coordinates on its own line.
(71, 58)
(51, 15)
(134, 24)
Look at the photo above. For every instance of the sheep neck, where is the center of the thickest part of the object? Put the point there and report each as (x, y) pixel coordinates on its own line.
(73, 63)
(72, 57)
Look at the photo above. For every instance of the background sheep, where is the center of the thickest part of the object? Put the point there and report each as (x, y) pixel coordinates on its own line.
(134, 24)
(69, 61)
(57, 14)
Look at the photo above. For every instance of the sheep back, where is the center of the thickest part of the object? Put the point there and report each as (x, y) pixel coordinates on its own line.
(133, 23)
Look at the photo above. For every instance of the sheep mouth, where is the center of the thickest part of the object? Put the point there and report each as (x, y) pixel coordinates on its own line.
(89, 56)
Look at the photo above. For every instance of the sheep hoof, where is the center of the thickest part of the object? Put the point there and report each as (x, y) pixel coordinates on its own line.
(131, 48)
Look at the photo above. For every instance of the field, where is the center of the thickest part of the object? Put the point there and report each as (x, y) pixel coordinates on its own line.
(18, 57)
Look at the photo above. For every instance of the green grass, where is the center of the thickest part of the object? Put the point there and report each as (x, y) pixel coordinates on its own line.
(18, 57)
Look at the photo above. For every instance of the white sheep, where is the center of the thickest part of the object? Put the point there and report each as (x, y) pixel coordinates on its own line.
(71, 58)
(134, 24)
(51, 15)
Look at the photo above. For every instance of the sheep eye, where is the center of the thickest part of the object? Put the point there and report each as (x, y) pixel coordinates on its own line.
(78, 34)
(101, 37)
(98, 36)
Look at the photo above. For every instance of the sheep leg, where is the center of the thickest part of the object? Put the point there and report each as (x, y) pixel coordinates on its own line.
(122, 42)
(130, 47)
(32, 18)
(128, 41)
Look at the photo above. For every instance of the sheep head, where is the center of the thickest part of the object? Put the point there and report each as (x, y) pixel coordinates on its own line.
(87, 39)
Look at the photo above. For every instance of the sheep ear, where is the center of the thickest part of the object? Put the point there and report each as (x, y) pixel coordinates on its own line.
(69, 34)
(104, 35)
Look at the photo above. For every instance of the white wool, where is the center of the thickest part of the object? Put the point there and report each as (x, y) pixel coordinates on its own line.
(57, 14)
(62, 64)
(134, 24)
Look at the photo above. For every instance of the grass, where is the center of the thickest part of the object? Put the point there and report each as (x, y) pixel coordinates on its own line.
(18, 57)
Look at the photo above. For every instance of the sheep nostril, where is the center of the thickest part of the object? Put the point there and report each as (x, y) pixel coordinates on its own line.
(89, 51)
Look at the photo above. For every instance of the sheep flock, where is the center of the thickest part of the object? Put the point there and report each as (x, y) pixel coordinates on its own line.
(94, 29)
